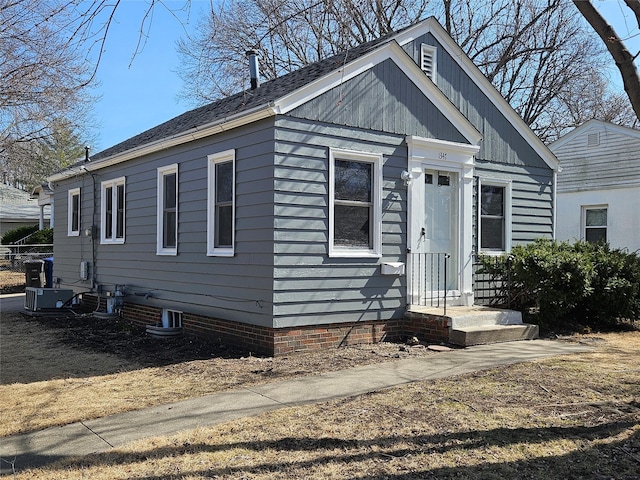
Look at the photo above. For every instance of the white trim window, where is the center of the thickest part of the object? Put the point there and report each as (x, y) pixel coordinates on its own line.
(73, 213)
(594, 223)
(355, 204)
(494, 218)
(167, 213)
(112, 211)
(221, 204)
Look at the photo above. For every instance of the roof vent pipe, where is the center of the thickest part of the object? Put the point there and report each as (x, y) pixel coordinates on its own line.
(252, 55)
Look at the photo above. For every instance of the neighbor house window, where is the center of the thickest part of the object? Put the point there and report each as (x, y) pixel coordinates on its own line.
(355, 181)
(428, 60)
(112, 216)
(595, 224)
(494, 229)
(221, 204)
(167, 215)
(73, 213)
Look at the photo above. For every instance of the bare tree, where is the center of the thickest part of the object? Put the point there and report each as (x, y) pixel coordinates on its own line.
(43, 82)
(49, 53)
(288, 34)
(533, 51)
(624, 60)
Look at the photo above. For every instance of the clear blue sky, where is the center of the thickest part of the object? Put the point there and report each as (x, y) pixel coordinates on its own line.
(139, 93)
(139, 96)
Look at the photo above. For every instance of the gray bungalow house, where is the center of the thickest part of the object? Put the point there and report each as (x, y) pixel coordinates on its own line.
(314, 210)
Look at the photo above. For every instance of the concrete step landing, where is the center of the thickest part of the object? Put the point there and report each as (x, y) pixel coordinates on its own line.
(484, 334)
(477, 325)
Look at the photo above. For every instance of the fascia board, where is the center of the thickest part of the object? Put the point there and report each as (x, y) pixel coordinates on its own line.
(394, 52)
(431, 25)
(203, 131)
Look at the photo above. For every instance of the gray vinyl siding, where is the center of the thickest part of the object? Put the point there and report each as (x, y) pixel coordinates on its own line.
(501, 142)
(531, 199)
(237, 288)
(381, 99)
(309, 287)
(613, 163)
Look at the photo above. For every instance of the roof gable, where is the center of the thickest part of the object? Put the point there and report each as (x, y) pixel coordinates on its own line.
(595, 126)
(393, 52)
(285, 93)
(431, 26)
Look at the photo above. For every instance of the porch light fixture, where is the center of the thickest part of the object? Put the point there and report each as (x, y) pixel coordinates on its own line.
(406, 177)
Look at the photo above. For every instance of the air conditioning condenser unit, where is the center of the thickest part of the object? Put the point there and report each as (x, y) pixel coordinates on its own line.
(46, 298)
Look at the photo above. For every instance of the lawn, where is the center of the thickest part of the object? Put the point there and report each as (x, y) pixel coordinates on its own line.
(569, 417)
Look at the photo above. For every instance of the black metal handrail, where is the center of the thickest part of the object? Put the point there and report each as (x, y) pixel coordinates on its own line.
(492, 280)
(429, 279)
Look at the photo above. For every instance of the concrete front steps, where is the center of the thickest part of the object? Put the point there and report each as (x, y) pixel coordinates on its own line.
(477, 325)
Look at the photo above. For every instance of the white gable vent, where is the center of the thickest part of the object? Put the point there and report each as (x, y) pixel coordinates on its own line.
(428, 60)
(593, 139)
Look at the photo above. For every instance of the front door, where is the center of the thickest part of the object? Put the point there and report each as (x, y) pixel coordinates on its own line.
(435, 251)
(441, 221)
(439, 181)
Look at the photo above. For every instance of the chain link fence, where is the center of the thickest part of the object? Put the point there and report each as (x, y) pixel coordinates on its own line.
(15, 261)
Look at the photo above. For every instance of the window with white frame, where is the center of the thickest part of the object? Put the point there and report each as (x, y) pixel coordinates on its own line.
(167, 214)
(355, 195)
(112, 214)
(595, 223)
(494, 219)
(428, 60)
(73, 213)
(221, 204)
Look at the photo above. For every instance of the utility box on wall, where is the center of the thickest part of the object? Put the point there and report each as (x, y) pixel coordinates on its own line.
(84, 270)
(392, 268)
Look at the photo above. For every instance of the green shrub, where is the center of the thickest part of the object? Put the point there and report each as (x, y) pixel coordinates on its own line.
(17, 234)
(581, 283)
(44, 236)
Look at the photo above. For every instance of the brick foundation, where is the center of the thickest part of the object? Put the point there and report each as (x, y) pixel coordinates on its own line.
(434, 328)
(282, 341)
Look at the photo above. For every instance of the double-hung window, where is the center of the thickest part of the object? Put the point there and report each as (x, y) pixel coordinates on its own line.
(595, 223)
(494, 230)
(355, 183)
(112, 215)
(167, 214)
(221, 204)
(73, 213)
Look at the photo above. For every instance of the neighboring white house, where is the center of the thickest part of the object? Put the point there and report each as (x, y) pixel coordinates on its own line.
(18, 209)
(599, 184)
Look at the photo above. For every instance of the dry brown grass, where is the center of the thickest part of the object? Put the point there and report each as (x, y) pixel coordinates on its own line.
(11, 281)
(570, 417)
(60, 371)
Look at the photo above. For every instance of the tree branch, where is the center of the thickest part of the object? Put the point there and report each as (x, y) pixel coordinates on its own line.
(616, 47)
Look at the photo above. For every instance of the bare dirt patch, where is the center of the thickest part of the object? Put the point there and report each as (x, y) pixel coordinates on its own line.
(61, 370)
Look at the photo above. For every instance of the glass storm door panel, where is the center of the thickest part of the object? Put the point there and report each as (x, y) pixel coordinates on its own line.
(441, 219)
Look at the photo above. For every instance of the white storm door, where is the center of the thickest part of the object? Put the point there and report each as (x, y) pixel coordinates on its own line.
(440, 230)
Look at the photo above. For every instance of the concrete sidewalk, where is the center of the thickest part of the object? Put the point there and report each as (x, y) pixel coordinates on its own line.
(43, 447)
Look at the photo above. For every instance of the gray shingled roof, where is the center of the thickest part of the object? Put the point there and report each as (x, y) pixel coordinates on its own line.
(17, 205)
(265, 94)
